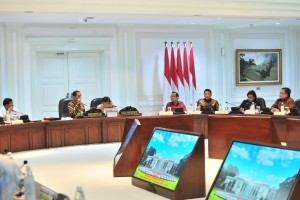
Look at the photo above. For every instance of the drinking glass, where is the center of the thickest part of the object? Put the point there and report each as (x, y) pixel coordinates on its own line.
(287, 110)
(258, 109)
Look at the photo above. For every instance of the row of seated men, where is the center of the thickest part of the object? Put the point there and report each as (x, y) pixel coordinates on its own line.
(284, 100)
(77, 108)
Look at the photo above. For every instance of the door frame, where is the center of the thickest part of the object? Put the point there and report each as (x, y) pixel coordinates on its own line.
(104, 46)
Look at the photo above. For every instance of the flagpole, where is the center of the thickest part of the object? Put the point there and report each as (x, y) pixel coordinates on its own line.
(193, 74)
(186, 76)
(180, 75)
(167, 78)
(173, 70)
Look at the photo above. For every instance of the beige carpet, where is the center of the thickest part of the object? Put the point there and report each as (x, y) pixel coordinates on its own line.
(90, 166)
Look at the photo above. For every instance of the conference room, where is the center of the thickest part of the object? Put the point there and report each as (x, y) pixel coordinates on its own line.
(123, 50)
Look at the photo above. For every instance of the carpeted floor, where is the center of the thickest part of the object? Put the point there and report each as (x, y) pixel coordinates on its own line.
(90, 166)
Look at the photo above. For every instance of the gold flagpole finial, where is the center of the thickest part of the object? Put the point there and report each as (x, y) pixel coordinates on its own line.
(171, 44)
(184, 43)
(178, 44)
(165, 44)
(191, 44)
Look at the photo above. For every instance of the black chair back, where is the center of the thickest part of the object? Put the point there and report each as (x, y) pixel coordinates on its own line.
(297, 105)
(63, 107)
(262, 102)
(95, 102)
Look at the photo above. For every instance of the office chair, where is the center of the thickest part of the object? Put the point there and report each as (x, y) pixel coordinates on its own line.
(262, 102)
(63, 107)
(95, 102)
(297, 105)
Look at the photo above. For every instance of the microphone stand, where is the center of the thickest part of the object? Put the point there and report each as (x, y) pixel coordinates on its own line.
(231, 104)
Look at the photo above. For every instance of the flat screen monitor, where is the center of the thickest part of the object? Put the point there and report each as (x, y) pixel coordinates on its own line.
(256, 171)
(165, 157)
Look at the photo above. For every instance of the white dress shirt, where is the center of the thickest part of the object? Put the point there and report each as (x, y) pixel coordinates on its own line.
(2, 111)
(13, 114)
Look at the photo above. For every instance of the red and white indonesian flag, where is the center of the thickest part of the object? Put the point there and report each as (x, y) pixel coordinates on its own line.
(173, 70)
(167, 78)
(180, 77)
(193, 87)
(186, 77)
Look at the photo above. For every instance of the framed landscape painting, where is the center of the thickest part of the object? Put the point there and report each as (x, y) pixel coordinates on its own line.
(258, 67)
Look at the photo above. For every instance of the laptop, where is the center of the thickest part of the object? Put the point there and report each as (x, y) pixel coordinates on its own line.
(178, 111)
(294, 112)
(235, 110)
(207, 110)
(253, 170)
(266, 111)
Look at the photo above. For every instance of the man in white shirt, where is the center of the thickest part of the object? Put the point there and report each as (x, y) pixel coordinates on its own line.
(8, 111)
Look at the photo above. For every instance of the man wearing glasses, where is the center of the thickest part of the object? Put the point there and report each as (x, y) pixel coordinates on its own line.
(284, 100)
(175, 103)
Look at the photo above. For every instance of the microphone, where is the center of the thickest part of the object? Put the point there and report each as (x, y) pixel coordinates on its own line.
(90, 108)
(18, 112)
(24, 163)
(85, 104)
(231, 104)
(114, 106)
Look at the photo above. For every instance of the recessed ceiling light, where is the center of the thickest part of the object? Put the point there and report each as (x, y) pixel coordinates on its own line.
(192, 23)
(219, 18)
(277, 23)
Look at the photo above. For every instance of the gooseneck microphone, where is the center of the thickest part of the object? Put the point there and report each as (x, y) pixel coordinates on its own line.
(231, 104)
(24, 163)
(18, 112)
(90, 108)
(85, 104)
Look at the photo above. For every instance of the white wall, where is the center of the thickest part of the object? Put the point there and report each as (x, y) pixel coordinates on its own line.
(150, 61)
(133, 59)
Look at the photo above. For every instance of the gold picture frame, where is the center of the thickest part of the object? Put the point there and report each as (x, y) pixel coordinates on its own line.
(258, 67)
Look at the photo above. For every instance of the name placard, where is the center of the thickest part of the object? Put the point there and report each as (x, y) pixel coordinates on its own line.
(129, 113)
(95, 114)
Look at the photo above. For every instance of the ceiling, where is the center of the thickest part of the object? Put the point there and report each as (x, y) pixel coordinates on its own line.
(218, 13)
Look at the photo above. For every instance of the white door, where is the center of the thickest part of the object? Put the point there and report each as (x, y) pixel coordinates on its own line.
(51, 84)
(61, 73)
(84, 75)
